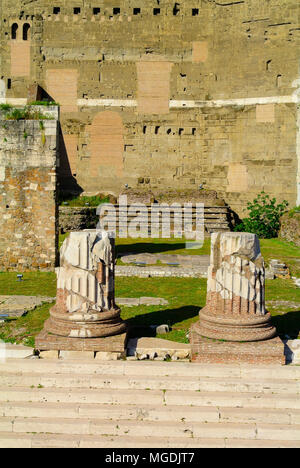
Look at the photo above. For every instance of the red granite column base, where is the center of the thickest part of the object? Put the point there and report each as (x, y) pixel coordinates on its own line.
(210, 351)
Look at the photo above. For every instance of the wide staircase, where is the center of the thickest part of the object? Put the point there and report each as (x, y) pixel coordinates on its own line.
(126, 404)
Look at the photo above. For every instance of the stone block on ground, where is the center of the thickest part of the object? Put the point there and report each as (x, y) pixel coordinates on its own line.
(160, 329)
(9, 351)
(292, 351)
(149, 346)
(16, 306)
(107, 356)
(72, 355)
(49, 354)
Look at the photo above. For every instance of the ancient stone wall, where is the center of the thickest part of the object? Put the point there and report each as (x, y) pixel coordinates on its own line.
(28, 212)
(172, 93)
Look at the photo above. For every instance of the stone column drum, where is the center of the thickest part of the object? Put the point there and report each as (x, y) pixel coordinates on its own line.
(85, 312)
(235, 309)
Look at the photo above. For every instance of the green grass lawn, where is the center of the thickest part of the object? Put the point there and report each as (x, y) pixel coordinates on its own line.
(185, 295)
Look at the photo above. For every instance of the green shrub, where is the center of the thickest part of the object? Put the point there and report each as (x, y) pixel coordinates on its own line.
(5, 107)
(26, 113)
(44, 103)
(264, 217)
(83, 201)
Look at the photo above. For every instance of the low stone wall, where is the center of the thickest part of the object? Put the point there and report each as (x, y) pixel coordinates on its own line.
(216, 218)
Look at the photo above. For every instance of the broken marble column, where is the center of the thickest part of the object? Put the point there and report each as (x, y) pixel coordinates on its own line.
(234, 326)
(235, 308)
(85, 310)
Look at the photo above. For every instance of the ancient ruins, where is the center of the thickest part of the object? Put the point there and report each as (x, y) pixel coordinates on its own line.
(235, 318)
(85, 317)
(163, 94)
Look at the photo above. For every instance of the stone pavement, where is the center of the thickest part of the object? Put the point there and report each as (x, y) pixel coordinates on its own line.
(145, 266)
(182, 260)
(16, 306)
(161, 271)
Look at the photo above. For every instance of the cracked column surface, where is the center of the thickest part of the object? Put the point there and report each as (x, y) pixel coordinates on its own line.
(85, 307)
(235, 307)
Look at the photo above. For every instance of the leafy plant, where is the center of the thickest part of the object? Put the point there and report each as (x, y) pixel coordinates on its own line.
(264, 217)
(44, 103)
(25, 113)
(5, 107)
(84, 201)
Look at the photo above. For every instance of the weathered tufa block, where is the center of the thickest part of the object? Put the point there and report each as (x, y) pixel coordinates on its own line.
(235, 310)
(85, 314)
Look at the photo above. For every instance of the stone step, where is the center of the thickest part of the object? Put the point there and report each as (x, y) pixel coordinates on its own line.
(133, 428)
(151, 397)
(150, 368)
(24, 440)
(186, 430)
(203, 384)
(147, 412)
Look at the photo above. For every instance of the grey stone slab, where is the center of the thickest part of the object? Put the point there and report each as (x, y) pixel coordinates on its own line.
(16, 306)
(131, 302)
(127, 301)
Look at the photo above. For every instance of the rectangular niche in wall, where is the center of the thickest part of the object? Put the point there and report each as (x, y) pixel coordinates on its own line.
(154, 87)
(62, 87)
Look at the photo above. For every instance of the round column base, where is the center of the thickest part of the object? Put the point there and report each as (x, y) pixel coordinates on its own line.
(235, 328)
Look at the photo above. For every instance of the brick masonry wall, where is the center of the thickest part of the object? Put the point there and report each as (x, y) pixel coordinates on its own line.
(28, 212)
(166, 75)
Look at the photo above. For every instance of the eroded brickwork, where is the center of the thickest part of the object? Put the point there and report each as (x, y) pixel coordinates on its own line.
(28, 216)
(205, 91)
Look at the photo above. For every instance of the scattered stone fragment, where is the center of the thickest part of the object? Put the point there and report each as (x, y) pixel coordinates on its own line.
(70, 355)
(9, 351)
(160, 329)
(292, 351)
(279, 269)
(161, 349)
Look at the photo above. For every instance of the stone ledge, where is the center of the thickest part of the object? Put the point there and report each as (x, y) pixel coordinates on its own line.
(114, 344)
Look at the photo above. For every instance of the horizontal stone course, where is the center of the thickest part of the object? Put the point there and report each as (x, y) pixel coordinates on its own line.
(149, 404)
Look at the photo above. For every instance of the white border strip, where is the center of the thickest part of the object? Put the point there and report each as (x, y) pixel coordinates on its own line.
(174, 104)
(14, 101)
(235, 102)
(107, 102)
